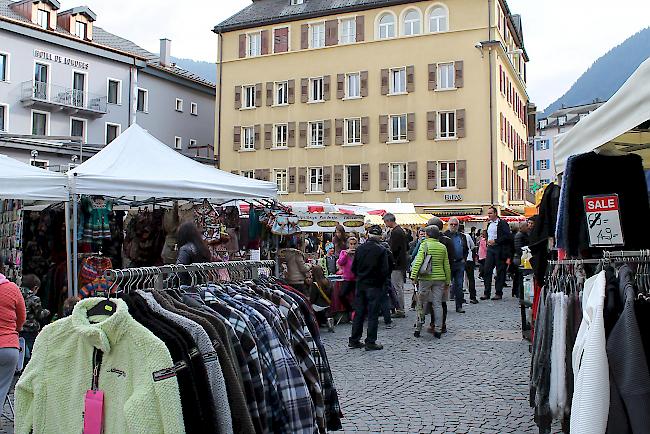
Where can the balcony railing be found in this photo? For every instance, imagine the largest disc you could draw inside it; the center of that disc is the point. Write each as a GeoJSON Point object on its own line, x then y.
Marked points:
{"type": "Point", "coordinates": [64, 98]}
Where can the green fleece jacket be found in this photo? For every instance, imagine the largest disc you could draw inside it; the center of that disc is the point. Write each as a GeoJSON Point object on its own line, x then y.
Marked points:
{"type": "Point", "coordinates": [440, 269]}
{"type": "Point", "coordinates": [138, 398]}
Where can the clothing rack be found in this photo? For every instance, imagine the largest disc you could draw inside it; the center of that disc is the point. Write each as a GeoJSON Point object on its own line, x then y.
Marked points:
{"type": "Point", "coordinates": [634, 256]}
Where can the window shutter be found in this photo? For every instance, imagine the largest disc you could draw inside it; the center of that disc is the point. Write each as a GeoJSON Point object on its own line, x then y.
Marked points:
{"type": "Point", "coordinates": [291, 139]}
{"type": "Point", "coordinates": [236, 138]}
{"type": "Point", "coordinates": [433, 78]}
{"type": "Point", "coordinates": [338, 179]}
{"type": "Point", "coordinates": [338, 131]}
{"type": "Point", "coordinates": [365, 130]}
{"type": "Point", "coordinates": [304, 36]}
{"type": "Point", "coordinates": [365, 177]}
{"type": "Point", "coordinates": [384, 81]}
{"type": "Point", "coordinates": [458, 73]}
{"type": "Point", "coordinates": [461, 174]}
{"type": "Point", "coordinates": [364, 83]}
{"type": "Point", "coordinates": [258, 95]}
{"type": "Point", "coordinates": [258, 174]}
{"type": "Point", "coordinates": [302, 179]}
{"type": "Point", "coordinates": [410, 127]}
{"type": "Point", "coordinates": [431, 125]}
{"type": "Point", "coordinates": [292, 180]}
{"type": "Point", "coordinates": [264, 38]}
{"type": "Point", "coordinates": [410, 79]}
{"type": "Point", "coordinates": [292, 91]}
{"type": "Point", "coordinates": [302, 140]}
{"type": "Point", "coordinates": [327, 179]}
{"type": "Point", "coordinates": [384, 182]}
{"type": "Point", "coordinates": [237, 97]}
{"type": "Point", "coordinates": [340, 86]}
{"type": "Point", "coordinates": [257, 138]}
{"type": "Point", "coordinates": [331, 32]}
{"type": "Point", "coordinates": [304, 89]}
{"type": "Point", "coordinates": [281, 40]}
{"type": "Point", "coordinates": [432, 175]}
{"type": "Point", "coordinates": [327, 132]}
{"type": "Point", "coordinates": [242, 46]}
{"type": "Point", "coordinates": [269, 93]}
{"type": "Point", "coordinates": [267, 174]}
{"type": "Point", "coordinates": [361, 28]}
{"type": "Point", "coordinates": [412, 175]}
{"type": "Point", "coordinates": [383, 128]}
{"type": "Point", "coordinates": [268, 136]}
{"type": "Point", "coordinates": [460, 123]}
{"type": "Point", "coordinates": [327, 87]}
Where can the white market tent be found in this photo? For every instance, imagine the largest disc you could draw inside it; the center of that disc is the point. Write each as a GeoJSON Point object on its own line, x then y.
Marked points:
{"type": "Point", "coordinates": [22, 181]}
{"type": "Point", "coordinates": [613, 124]}
{"type": "Point", "coordinates": [137, 164]}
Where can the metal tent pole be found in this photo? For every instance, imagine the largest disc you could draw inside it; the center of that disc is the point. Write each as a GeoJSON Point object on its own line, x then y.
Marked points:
{"type": "Point", "coordinates": [75, 229]}
{"type": "Point", "coordinates": [68, 248]}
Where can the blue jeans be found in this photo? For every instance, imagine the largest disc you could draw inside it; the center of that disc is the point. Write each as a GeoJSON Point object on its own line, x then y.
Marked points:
{"type": "Point", "coordinates": [457, 278]}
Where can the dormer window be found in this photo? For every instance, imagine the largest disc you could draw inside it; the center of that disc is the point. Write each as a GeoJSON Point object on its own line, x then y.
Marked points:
{"type": "Point", "coordinates": [43, 18]}
{"type": "Point", "coordinates": [81, 30]}
{"type": "Point", "coordinates": [296, 2]}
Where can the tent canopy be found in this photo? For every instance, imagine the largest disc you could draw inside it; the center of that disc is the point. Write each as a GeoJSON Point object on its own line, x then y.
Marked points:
{"type": "Point", "coordinates": [22, 181]}
{"type": "Point", "coordinates": [612, 123]}
{"type": "Point", "coordinates": [138, 164]}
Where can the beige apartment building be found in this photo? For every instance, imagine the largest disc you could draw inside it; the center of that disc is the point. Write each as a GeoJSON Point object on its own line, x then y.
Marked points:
{"type": "Point", "coordinates": [376, 101]}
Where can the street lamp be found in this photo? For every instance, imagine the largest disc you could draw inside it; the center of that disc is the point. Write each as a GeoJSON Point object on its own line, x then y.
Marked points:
{"type": "Point", "coordinates": [34, 154]}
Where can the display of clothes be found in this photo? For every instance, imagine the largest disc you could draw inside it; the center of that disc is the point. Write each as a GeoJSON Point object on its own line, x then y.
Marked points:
{"type": "Point", "coordinates": [144, 238]}
{"type": "Point", "coordinates": [590, 353]}
{"type": "Point", "coordinates": [11, 238]}
{"type": "Point", "coordinates": [95, 222]}
{"type": "Point", "coordinates": [227, 357]}
{"type": "Point", "coordinates": [171, 221]}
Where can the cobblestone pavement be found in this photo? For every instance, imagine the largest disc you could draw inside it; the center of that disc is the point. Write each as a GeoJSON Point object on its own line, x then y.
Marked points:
{"type": "Point", "coordinates": [473, 380]}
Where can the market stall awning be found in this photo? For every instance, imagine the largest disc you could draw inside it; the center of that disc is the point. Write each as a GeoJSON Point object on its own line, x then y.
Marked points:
{"type": "Point", "coordinates": [138, 164]}
{"type": "Point", "coordinates": [613, 123]}
{"type": "Point", "coordinates": [22, 181]}
{"type": "Point", "coordinates": [411, 219]}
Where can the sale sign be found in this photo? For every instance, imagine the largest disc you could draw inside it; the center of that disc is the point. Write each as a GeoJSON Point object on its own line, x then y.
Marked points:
{"type": "Point", "coordinates": [603, 220]}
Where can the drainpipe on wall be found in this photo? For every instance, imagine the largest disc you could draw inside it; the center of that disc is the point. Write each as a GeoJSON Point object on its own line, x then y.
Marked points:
{"type": "Point", "coordinates": [491, 105]}
{"type": "Point", "coordinates": [220, 82]}
{"type": "Point", "coordinates": [133, 94]}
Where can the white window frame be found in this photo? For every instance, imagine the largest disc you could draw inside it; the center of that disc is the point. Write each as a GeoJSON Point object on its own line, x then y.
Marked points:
{"type": "Point", "coordinates": [449, 179]}
{"type": "Point", "coordinates": [392, 83]}
{"type": "Point", "coordinates": [146, 100]}
{"type": "Point", "coordinates": [254, 49]}
{"type": "Point", "coordinates": [314, 141]}
{"type": "Point", "coordinates": [178, 143]}
{"type": "Point", "coordinates": [283, 184]}
{"type": "Point", "coordinates": [446, 135]}
{"type": "Point", "coordinates": [7, 67]}
{"type": "Point", "coordinates": [85, 122]}
{"type": "Point", "coordinates": [347, 30]}
{"type": "Point", "coordinates": [317, 174]}
{"type": "Point", "coordinates": [543, 123]}
{"type": "Point", "coordinates": [384, 28]}
{"type": "Point", "coordinates": [111, 124]}
{"type": "Point", "coordinates": [85, 89]}
{"type": "Point", "coordinates": [313, 90]}
{"type": "Point", "coordinates": [248, 97]}
{"type": "Point", "coordinates": [352, 141]}
{"type": "Point", "coordinates": [250, 174]}
{"type": "Point", "coordinates": [277, 86]}
{"type": "Point", "coordinates": [561, 120]}
{"type": "Point", "coordinates": [296, 2]}
{"type": "Point", "coordinates": [408, 25]}
{"type": "Point", "coordinates": [404, 177]}
{"type": "Point", "coordinates": [48, 83]}
{"type": "Point", "coordinates": [191, 144]}
{"type": "Point", "coordinates": [437, 28]}
{"type": "Point", "coordinates": [346, 178]}
{"type": "Point", "coordinates": [119, 90]}
{"type": "Point", "coordinates": [398, 136]}
{"type": "Point", "coordinates": [276, 143]}
{"type": "Point", "coordinates": [179, 103]}
{"type": "Point", "coordinates": [441, 78]}
{"type": "Point", "coordinates": [247, 145]}
{"type": "Point", "coordinates": [85, 26]}
{"type": "Point", "coordinates": [5, 107]}
{"type": "Point", "coordinates": [194, 109]}
{"type": "Point", "coordinates": [544, 164]}
{"type": "Point", "coordinates": [38, 18]}
{"type": "Point", "coordinates": [348, 78]}
{"type": "Point", "coordinates": [47, 121]}
{"type": "Point", "coordinates": [288, 39]}
{"type": "Point", "coordinates": [320, 42]}
{"type": "Point", "coordinates": [46, 163]}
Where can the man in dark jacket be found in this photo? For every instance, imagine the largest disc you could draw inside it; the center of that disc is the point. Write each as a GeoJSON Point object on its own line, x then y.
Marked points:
{"type": "Point", "coordinates": [446, 241]}
{"type": "Point", "coordinates": [459, 254]}
{"type": "Point", "coordinates": [371, 266]}
{"type": "Point", "coordinates": [398, 242]}
{"type": "Point", "coordinates": [521, 240]}
{"type": "Point", "coordinates": [499, 238]}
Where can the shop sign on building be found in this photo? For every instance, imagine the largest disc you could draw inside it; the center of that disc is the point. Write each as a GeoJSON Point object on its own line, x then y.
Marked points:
{"type": "Point", "coordinates": [51, 57]}
{"type": "Point", "coordinates": [453, 197]}
{"type": "Point", "coordinates": [603, 220]}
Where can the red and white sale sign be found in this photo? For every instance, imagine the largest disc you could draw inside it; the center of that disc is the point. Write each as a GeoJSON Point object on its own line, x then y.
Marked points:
{"type": "Point", "coordinates": [603, 220]}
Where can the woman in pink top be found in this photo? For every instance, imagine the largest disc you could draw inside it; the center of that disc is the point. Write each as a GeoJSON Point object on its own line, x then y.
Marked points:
{"type": "Point", "coordinates": [482, 253]}
{"type": "Point", "coordinates": [345, 270]}
{"type": "Point", "coordinates": [12, 318]}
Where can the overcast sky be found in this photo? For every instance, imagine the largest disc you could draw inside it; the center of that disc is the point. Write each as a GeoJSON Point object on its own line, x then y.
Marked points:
{"type": "Point", "coordinates": [562, 37]}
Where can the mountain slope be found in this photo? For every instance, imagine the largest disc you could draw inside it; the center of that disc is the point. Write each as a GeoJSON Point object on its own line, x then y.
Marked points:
{"type": "Point", "coordinates": [205, 70]}
{"type": "Point", "coordinates": [607, 74]}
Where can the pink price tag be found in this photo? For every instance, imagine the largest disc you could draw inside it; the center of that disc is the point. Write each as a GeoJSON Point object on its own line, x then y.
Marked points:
{"type": "Point", "coordinates": [94, 412]}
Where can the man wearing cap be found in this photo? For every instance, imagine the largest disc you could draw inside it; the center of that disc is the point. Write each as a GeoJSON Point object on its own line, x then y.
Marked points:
{"type": "Point", "coordinates": [371, 266]}
{"type": "Point", "coordinates": [398, 242]}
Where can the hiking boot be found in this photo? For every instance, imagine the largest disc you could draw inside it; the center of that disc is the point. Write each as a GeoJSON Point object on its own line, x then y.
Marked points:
{"type": "Point", "coordinates": [399, 314]}
{"type": "Point", "coordinates": [374, 347]}
{"type": "Point", "coordinates": [355, 344]}
{"type": "Point", "coordinates": [497, 297]}
{"type": "Point", "coordinates": [437, 335]}
{"type": "Point", "coordinates": [416, 333]}
{"type": "Point", "coordinates": [460, 310]}
{"type": "Point", "coordinates": [473, 301]}
{"type": "Point", "coordinates": [485, 297]}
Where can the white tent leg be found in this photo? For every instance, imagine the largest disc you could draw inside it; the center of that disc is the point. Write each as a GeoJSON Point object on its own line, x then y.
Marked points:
{"type": "Point", "coordinates": [75, 262]}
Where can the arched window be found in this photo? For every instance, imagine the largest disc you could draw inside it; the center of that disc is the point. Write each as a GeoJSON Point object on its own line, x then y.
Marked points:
{"type": "Point", "coordinates": [387, 26]}
{"type": "Point", "coordinates": [412, 23]}
{"type": "Point", "coordinates": [438, 19]}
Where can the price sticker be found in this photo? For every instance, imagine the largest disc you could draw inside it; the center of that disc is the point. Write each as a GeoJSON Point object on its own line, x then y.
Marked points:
{"type": "Point", "coordinates": [604, 220]}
